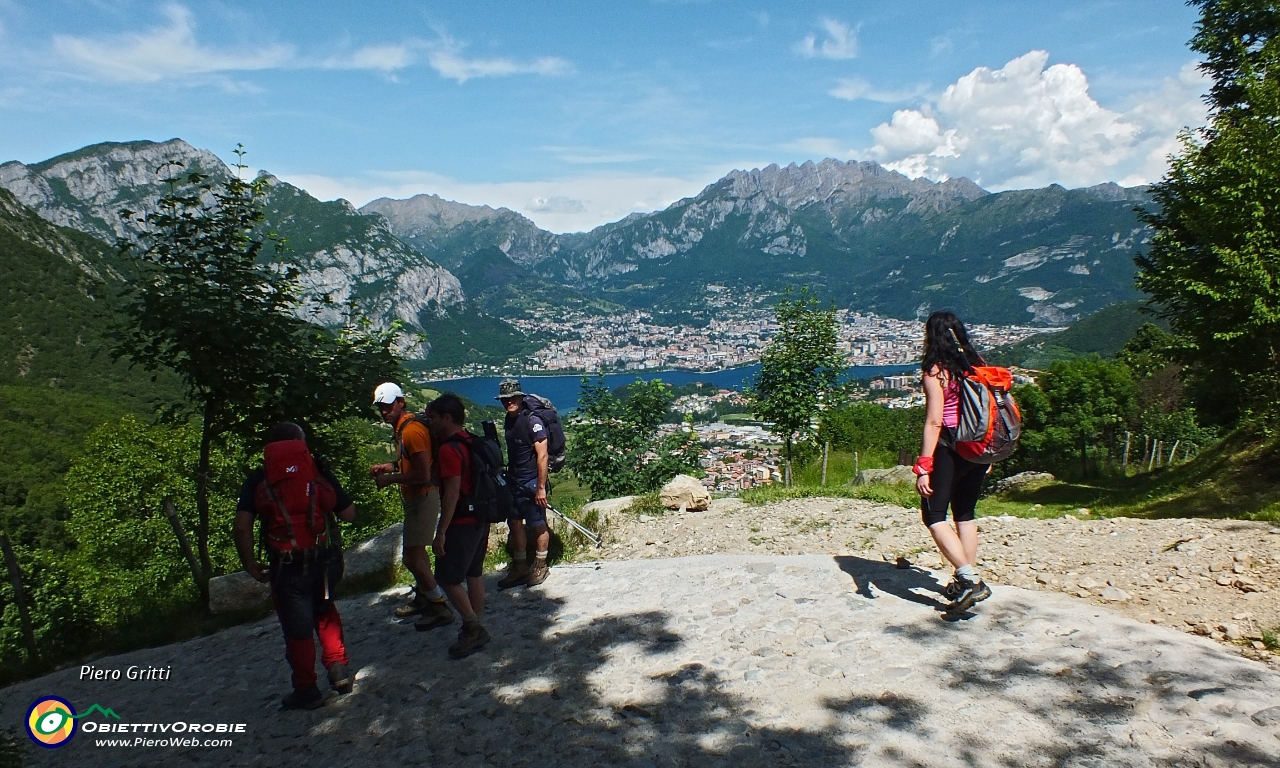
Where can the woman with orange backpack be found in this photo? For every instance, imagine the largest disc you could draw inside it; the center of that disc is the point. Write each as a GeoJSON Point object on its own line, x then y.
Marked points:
{"type": "Point", "coordinates": [944, 477]}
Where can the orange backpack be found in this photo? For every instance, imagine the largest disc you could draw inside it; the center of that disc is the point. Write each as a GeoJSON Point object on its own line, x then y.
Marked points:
{"type": "Point", "coordinates": [990, 422]}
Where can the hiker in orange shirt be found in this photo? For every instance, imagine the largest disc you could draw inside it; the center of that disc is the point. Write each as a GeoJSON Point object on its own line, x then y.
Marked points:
{"type": "Point", "coordinates": [412, 472]}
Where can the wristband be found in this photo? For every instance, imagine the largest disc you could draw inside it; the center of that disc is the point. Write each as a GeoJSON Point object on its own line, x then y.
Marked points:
{"type": "Point", "coordinates": [924, 465]}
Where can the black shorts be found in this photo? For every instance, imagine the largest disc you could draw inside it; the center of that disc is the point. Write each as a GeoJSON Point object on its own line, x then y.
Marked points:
{"type": "Point", "coordinates": [956, 482]}
{"type": "Point", "coordinates": [464, 550]}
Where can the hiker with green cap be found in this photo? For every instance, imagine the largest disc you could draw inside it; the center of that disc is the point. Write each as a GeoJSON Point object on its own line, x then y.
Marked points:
{"type": "Point", "coordinates": [527, 468]}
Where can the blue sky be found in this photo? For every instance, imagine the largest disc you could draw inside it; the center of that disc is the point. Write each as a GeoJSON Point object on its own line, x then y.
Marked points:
{"type": "Point", "coordinates": [576, 113]}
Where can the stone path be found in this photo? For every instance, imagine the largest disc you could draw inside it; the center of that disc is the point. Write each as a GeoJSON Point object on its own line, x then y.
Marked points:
{"type": "Point", "coordinates": [1211, 577]}
{"type": "Point", "coordinates": [720, 660]}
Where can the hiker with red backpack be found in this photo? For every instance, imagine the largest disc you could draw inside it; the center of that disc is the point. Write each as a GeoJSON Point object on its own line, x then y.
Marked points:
{"type": "Point", "coordinates": [463, 537]}
{"type": "Point", "coordinates": [971, 421]}
{"type": "Point", "coordinates": [298, 502]}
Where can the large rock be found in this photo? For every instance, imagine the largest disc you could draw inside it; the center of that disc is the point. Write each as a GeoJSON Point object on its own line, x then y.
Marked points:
{"type": "Point", "coordinates": [237, 592]}
{"type": "Point", "coordinates": [892, 476]}
{"type": "Point", "coordinates": [607, 509]}
{"type": "Point", "coordinates": [368, 559]}
{"type": "Point", "coordinates": [375, 555]}
{"type": "Point", "coordinates": [684, 492]}
{"type": "Point", "coordinates": [1021, 480]}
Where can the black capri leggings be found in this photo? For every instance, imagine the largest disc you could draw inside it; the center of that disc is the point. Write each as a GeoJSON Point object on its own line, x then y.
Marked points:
{"type": "Point", "coordinates": [955, 481]}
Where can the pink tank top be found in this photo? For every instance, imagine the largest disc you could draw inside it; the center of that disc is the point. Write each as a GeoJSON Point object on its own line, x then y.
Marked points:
{"type": "Point", "coordinates": [951, 404]}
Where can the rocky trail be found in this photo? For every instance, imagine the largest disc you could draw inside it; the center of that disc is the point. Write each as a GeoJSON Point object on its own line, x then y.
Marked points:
{"type": "Point", "coordinates": [1211, 577]}
{"type": "Point", "coordinates": [660, 655]}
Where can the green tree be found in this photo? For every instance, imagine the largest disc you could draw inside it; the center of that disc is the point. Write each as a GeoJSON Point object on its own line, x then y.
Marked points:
{"type": "Point", "coordinates": [615, 448]}
{"type": "Point", "coordinates": [130, 561]}
{"type": "Point", "coordinates": [1088, 400]}
{"type": "Point", "coordinates": [1213, 266]}
{"type": "Point", "coordinates": [799, 370]}
{"type": "Point", "coordinates": [216, 303]}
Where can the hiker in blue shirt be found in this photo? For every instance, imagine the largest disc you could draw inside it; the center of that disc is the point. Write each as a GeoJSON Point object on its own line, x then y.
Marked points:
{"type": "Point", "coordinates": [527, 468]}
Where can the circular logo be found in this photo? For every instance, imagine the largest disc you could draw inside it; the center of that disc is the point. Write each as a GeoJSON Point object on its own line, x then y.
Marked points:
{"type": "Point", "coordinates": [51, 721]}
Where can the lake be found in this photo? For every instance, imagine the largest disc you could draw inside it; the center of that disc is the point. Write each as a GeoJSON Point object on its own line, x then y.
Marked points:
{"type": "Point", "coordinates": [564, 390]}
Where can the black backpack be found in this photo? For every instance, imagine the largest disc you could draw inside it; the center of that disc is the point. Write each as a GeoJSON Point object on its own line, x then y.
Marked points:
{"type": "Point", "coordinates": [542, 408]}
{"type": "Point", "coordinates": [491, 500]}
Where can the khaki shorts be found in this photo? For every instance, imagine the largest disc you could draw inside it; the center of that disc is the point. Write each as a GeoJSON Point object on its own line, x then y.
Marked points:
{"type": "Point", "coordinates": [421, 514]}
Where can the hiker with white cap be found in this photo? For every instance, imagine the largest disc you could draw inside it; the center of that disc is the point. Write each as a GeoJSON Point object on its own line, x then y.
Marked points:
{"type": "Point", "coordinates": [412, 472]}
{"type": "Point", "coordinates": [527, 469]}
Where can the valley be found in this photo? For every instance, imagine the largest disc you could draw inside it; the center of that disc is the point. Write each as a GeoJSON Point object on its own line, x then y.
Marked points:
{"type": "Point", "coordinates": [478, 290]}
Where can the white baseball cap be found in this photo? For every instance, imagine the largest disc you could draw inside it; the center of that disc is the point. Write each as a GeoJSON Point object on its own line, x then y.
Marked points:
{"type": "Point", "coordinates": [387, 393]}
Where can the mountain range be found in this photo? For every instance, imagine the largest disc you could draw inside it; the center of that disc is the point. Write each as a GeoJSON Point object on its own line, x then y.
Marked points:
{"type": "Point", "coordinates": [857, 233]}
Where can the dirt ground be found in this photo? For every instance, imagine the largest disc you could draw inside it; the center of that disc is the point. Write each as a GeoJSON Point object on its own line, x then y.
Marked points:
{"type": "Point", "coordinates": [1211, 577]}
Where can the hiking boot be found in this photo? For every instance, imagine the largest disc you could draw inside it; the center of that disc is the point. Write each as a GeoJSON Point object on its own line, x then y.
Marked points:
{"type": "Point", "coordinates": [471, 638]}
{"type": "Point", "coordinates": [953, 589]}
{"type": "Point", "coordinates": [307, 698]}
{"type": "Point", "coordinates": [971, 592]}
{"type": "Point", "coordinates": [437, 614]}
{"type": "Point", "coordinates": [414, 607]}
{"type": "Point", "coordinates": [538, 574]}
{"type": "Point", "coordinates": [340, 678]}
{"type": "Point", "coordinates": [517, 574]}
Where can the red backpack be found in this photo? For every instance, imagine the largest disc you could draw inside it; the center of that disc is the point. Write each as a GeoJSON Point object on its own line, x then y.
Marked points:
{"type": "Point", "coordinates": [990, 422]}
{"type": "Point", "coordinates": [293, 500]}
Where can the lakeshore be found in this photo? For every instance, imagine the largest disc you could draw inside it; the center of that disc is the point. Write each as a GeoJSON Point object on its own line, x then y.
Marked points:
{"type": "Point", "coordinates": [564, 390]}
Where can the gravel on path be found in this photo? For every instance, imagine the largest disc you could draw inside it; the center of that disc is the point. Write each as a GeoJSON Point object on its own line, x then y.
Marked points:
{"type": "Point", "coordinates": [1210, 577]}
{"type": "Point", "coordinates": [723, 660]}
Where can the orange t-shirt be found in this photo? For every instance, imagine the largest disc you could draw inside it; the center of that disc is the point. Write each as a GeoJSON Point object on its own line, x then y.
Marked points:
{"type": "Point", "coordinates": [412, 437]}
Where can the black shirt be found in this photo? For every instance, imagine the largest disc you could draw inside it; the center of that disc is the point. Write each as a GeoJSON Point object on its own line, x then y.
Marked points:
{"type": "Point", "coordinates": [523, 430]}
{"type": "Point", "coordinates": [250, 487]}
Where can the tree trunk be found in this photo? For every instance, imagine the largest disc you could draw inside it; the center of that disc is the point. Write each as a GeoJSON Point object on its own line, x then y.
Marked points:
{"type": "Point", "coordinates": [202, 496]}
{"type": "Point", "coordinates": [197, 573]}
{"type": "Point", "coordinates": [787, 484]}
{"type": "Point", "coordinates": [20, 597]}
{"type": "Point", "coordinates": [1084, 458]}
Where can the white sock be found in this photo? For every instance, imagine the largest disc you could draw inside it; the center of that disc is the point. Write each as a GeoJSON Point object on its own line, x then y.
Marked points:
{"type": "Point", "coordinates": [542, 556]}
{"type": "Point", "coordinates": [968, 573]}
{"type": "Point", "coordinates": [435, 594]}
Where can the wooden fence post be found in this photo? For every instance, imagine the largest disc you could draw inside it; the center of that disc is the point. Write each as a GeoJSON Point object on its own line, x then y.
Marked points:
{"type": "Point", "coordinates": [19, 596]}
{"type": "Point", "coordinates": [1174, 452]}
{"type": "Point", "coordinates": [1125, 463]}
{"type": "Point", "coordinates": [171, 512]}
{"type": "Point", "coordinates": [826, 451]}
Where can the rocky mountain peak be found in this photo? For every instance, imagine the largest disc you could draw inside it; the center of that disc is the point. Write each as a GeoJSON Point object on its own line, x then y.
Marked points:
{"type": "Point", "coordinates": [834, 182]}
{"type": "Point", "coordinates": [422, 212]}
{"type": "Point", "coordinates": [87, 189]}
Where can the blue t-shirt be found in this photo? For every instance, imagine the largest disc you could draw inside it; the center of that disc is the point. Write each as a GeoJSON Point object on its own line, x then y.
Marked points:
{"type": "Point", "coordinates": [523, 430]}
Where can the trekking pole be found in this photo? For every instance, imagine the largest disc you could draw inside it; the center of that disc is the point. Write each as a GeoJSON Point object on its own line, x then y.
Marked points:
{"type": "Point", "coordinates": [592, 536]}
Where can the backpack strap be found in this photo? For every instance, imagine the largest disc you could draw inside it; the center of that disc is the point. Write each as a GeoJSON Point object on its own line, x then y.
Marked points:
{"type": "Point", "coordinates": [284, 513]}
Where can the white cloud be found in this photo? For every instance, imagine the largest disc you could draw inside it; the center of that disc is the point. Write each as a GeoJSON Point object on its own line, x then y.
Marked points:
{"type": "Point", "coordinates": [572, 204]}
{"type": "Point", "coordinates": [841, 42]}
{"type": "Point", "coordinates": [855, 88]}
{"type": "Point", "coordinates": [171, 51]}
{"type": "Point", "coordinates": [447, 59]}
{"type": "Point", "coordinates": [1028, 125]}
{"type": "Point", "coordinates": [163, 52]}
{"type": "Point", "coordinates": [555, 204]}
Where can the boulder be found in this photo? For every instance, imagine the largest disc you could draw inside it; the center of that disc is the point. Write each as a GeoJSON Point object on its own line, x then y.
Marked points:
{"type": "Point", "coordinates": [368, 559]}
{"type": "Point", "coordinates": [892, 476]}
{"type": "Point", "coordinates": [686, 492]}
{"type": "Point", "coordinates": [1021, 480]}
{"type": "Point", "coordinates": [607, 509]}
{"type": "Point", "coordinates": [237, 592]}
{"type": "Point", "coordinates": [375, 555]}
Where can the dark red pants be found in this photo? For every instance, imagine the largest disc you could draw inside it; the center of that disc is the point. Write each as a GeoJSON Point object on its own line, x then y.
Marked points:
{"type": "Point", "coordinates": [305, 612]}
